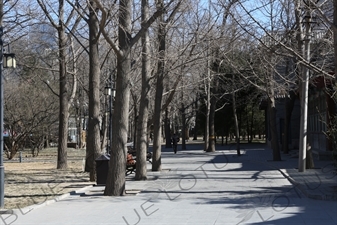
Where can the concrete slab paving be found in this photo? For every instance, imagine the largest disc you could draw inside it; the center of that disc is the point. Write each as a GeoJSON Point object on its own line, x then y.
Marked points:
{"type": "Point", "coordinates": [196, 188]}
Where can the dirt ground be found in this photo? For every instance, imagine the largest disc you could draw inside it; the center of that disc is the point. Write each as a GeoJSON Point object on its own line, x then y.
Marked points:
{"type": "Point", "coordinates": [36, 180]}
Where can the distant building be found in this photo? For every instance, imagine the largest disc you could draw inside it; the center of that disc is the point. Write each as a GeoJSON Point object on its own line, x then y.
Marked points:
{"type": "Point", "coordinates": [294, 125]}
{"type": "Point", "coordinates": [320, 111]}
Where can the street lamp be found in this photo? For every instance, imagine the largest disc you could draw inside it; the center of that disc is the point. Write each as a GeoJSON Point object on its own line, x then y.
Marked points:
{"type": "Point", "coordinates": [110, 92]}
{"type": "Point", "coordinates": [7, 60]}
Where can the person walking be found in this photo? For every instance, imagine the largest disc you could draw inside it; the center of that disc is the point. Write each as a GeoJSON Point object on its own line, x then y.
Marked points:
{"type": "Point", "coordinates": [175, 140]}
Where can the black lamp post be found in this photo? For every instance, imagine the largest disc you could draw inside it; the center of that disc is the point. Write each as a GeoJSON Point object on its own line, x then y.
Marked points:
{"type": "Point", "coordinates": [7, 60]}
{"type": "Point", "coordinates": [110, 93]}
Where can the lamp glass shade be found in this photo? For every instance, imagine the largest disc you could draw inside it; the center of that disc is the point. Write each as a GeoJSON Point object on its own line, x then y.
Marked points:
{"type": "Point", "coordinates": [107, 90]}
{"type": "Point", "coordinates": [9, 60]}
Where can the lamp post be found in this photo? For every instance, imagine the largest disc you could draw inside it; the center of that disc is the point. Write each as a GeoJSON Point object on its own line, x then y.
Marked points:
{"type": "Point", "coordinates": [7, 60]}
{"type": "Point", "coordinates": [110, 93]}
{"type": "Point", "coordinates": [107, 92]}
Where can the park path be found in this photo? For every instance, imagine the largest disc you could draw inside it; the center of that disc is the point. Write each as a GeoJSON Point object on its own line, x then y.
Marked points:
{"type": "Point", "coordinates": [194, 188]}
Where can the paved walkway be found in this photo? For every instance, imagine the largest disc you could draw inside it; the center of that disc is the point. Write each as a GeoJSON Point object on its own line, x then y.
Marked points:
{"type": "Point", "coordinates": [203, 188]}
{"type": "Point", "coordinates": [319, 183]}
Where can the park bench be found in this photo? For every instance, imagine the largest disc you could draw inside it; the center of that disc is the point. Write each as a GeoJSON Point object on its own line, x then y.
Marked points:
{"type": "Point", "coordinates": [133, 152]}
{"type": "Point", "coordinates": [130, 164]}
{"type": "Point", "coordinates": [131, 161]}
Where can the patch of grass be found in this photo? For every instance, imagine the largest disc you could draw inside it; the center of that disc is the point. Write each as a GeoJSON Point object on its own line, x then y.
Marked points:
{"type": "Point", "coordinates": [36, 180]}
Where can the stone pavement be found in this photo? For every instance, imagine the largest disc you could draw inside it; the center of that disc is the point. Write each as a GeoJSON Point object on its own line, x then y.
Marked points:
{"type": "Point", "coordinates": [319, 183]}
{"type": "Point", "coordinates": [195, 187]}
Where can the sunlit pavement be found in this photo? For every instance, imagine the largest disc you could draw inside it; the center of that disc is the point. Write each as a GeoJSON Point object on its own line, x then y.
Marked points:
{"type": "Point", "coordinates": [194, 187]}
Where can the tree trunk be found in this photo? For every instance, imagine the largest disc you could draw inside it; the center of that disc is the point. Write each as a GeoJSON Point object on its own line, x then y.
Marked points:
{"type": "Point", "coordinates": [274, 133]}
{"type": "Point", "coordinates": [115, 184]}
{"type": "Point", "coordinates": [63, 98]}
{"type": "Point", "coordinates": [237, 131]}
{"type": "Point", "coordinates": [304, 96]}
{"type": "Point", "coordinates": [167, 130]}
{"type": "Point", "coordinates": [79, 126]}
{"type": "Point", "coordinates": [183, 130]}
{"type": "Point", "coordinates": [135, 121]}
{"type": "Point", "coordinates": [195, 132]}
{"type": "Point", "coordinates": [290, 102]}
{"type": "Point", "coordinates": [247, 125]}
{"type": "Point", "coordinates": [93, 138]}
{"type": "Point", "coordinates": [156, 158]}
{"type": "Point", "coordinates": [309, 164]}
{"type": "Point", "coordinates": [208, 106]}
{"type": "Point", "coordinates": [212, 137]}
{"type": "Point", "coordinates": [252, 135]}
{"type": "Point", "coordinates": [142, 134]}
{"type": "Point", "coordinates": [301, 49]}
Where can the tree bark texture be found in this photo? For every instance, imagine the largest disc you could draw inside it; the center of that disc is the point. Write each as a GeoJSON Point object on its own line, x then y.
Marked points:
{"type": "Point", "coordinates": [156, 158]}
{"type": "Point", "coordinates": [195, 133]}
{"type": "Point", "coordinates": [167, 130]}
{"type": "Point", "coordinates": [237, 130]}
{"type": "Point", "coordinates": [208, 104]}
{"type": "Point", "coordinates": [93, 138]}
{"type": "Point", "coordinates": [134, 126]}
{"type": "Point", "coordinates": [212, 137]}
{"type": "Point", "coordinates": [183, 130]}
{"type": "Point", "coordinates": [63, 98]}
{"type": "Point", "coordinates": [303, 142]}
{"type": "Point", "coordinates": [115, 185]}
{"type": "Point", "coordinates": [142, 132]}
{"type": "Point", "coordinates": [289, 105]}
{"type": "Point", "coordinates": [273, 128]}
{"type": "Point", "coordinates": [251, 126]}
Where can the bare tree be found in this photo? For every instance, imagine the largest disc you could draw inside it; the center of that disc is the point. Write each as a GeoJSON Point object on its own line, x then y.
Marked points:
{"type": "Point", "coordinates": [270, 71]}
{"type": "Point", "coordinates": [160, 74]}
{"type": "Point", "coordinates": [30, 112]}
{"type": "Point", "coordinates": [156, 158]}
{"type": "Point", "coordinates": [93, 138]}
{"type": "Point", "coordinates": [287, 21]}
{"type": "Point", "coordinates": [116, 176]}
{"type": "Point", "coordinates": [65, 94]}
{"type": "Point", "coordinates": [142, 131]}
{"type": "Point", "coordinates": [226, 6]}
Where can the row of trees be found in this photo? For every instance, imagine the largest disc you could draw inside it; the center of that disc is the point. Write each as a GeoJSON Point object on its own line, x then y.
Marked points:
{"type": "Point", "coordinates": [169, 56]}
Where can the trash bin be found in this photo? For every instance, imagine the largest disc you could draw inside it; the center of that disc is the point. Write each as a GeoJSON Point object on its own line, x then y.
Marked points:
{"type": "Point", "coordinates": [102, 167]}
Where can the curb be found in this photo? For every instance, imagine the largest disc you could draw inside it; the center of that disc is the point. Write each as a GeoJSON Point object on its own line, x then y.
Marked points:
{"type": "Point", "coordinates": [301, 187]}
{"type": "Point", "coordinates": [27, 209]}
